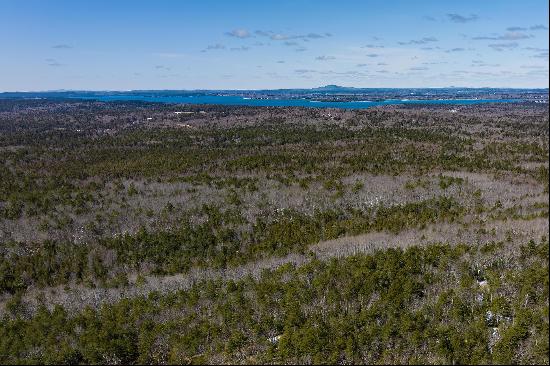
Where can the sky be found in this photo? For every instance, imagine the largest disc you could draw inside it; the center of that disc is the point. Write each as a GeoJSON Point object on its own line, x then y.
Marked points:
{"type": "Point", "coordinates": [214, 44]}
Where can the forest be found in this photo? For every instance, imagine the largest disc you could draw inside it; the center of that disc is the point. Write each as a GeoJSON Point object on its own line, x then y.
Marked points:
{"type": "Point", "coordinates": [145, 233]}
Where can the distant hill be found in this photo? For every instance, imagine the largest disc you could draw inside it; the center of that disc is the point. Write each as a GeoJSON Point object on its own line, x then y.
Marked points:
{"type": "Point", "coordinates": [334, 88]}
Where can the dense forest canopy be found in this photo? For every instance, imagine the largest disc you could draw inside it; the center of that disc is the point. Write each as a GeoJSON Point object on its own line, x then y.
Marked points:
{"type": "Point", "coordinates": [130, 233]}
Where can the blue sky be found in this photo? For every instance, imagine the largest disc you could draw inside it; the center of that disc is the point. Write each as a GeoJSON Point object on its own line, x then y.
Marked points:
{"type": "Point", "coordinates": [207, 44]}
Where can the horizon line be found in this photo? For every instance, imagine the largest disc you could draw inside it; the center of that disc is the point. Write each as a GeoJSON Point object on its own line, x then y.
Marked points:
{"type": "Point", "coordinates": [267, 89]}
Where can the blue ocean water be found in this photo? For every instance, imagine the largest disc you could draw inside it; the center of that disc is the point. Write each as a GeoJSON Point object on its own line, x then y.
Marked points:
{"type": "Point", "coordinates": [237, 100]}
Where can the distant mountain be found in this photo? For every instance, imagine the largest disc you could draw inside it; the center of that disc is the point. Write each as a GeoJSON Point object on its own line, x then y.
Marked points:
{"type": "Point", "coordinates": [333, 88]}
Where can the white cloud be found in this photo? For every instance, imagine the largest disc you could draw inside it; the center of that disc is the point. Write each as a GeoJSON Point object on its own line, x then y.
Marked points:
{"type": "Point", "coordinates": [325, 58]}
{"type": "Point", "coordinates": [239, 33]}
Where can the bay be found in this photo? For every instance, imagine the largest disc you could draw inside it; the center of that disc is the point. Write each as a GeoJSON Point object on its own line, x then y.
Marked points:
{"type": "Point", "coordinates": [264, 102]}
